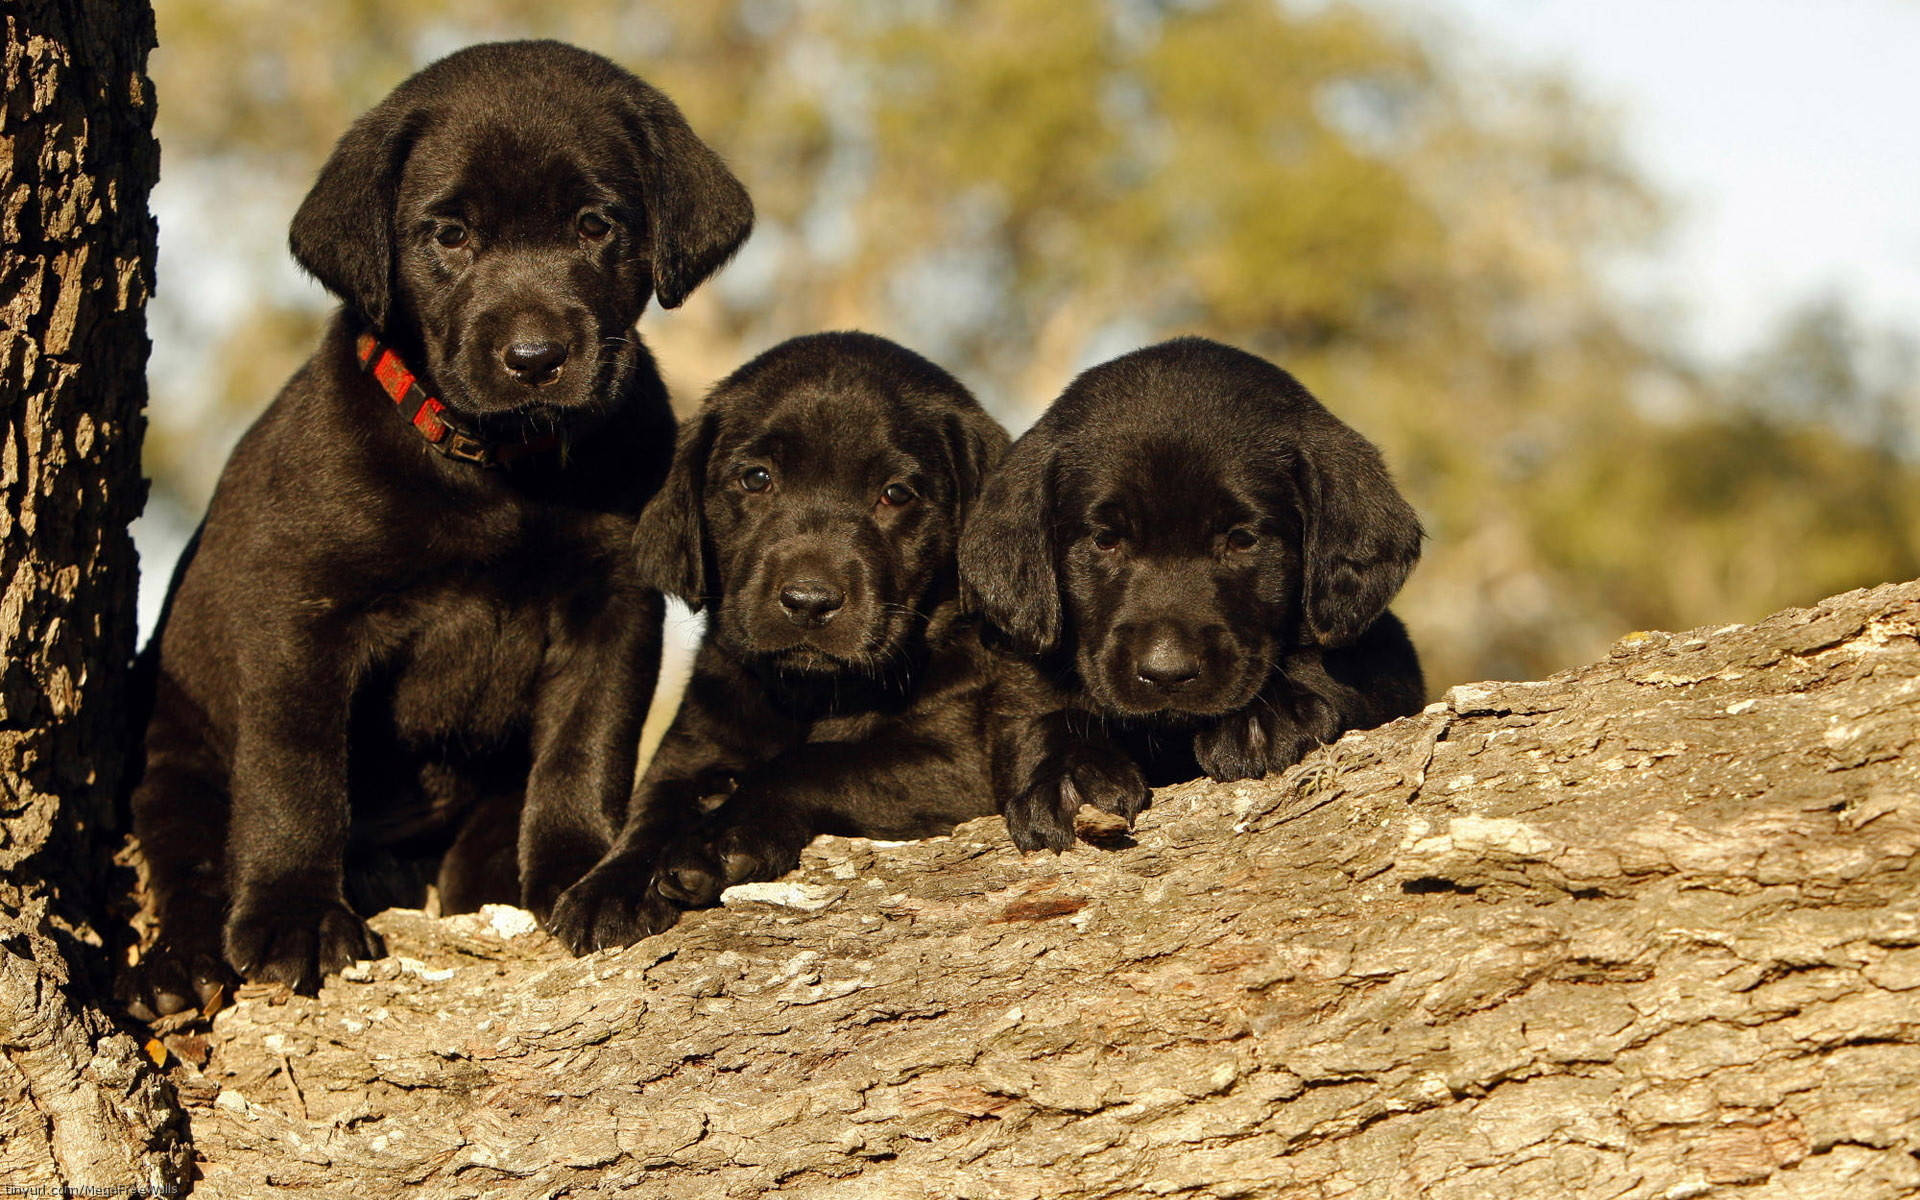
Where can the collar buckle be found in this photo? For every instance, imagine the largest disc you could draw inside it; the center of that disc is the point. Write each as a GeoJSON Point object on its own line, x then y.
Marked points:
{"type": "Point", "coordinates": [465, 447]}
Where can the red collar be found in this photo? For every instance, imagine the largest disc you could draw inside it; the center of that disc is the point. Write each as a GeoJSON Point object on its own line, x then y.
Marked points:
{"type": "Point", "coordinates": [430, 418]}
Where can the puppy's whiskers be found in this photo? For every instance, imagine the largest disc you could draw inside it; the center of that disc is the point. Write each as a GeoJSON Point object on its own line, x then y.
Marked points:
{"type": "Point", "coordinates": [906, 610]}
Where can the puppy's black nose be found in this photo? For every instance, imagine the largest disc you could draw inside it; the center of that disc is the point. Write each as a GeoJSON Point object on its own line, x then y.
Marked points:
{"type": "Point", "coordinates": [811, 601]}
{"type": "Point", "coordinates": [1167, 664]}
{"type": "Point", "coordinates": [533, 361]}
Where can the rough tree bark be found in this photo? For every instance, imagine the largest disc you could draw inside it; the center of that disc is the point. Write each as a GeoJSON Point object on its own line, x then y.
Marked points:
{"type": "Point", "coordinates": [1649, 928]}
{"type": "Point", "coordinates": [79, 1104]}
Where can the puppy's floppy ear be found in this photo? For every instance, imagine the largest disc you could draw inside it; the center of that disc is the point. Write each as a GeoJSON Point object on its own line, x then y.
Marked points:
{"type": "Point", "coordinates": [1007, 568]}
{"type": "Point", "coordinates": [670, 539]}
{"type": "Point", "coordinates": [976, 443]}
{"type": "Point", "coordinates": [697, 212]}
{"type": "Point", "coordinates": [343, 233]}
{"type": "Point", "coordinates": [1360, 536]}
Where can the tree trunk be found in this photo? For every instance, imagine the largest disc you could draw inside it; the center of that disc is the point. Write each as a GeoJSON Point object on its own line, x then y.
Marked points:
{"type": "Point", "coordinates": [1649, 928]}
{"type": "Point", "coordinates": [79, 1103]}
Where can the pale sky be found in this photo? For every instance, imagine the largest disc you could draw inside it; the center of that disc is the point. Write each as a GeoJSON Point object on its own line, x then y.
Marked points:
{"type": "Point", "coordinates": [1786, 134]}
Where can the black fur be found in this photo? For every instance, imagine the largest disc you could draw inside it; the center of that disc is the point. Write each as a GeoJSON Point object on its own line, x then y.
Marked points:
{"type": "Point", "coordinates": [838, 690]}
{"type": "Point", "coordinates": [373, 653]}
{"type": "Point", "coordinates": [1201, 557]}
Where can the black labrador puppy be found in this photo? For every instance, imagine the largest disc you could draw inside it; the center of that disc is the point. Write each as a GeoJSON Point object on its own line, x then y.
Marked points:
{"type": "Point", "coordinates": [413, 596]}
{"type": "Point", "coordinates": [1200, 556]}
{"type": "Point", "coordinates": [813, 508]}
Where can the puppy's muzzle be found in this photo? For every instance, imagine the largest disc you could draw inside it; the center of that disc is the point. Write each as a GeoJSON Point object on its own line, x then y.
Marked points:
{"type": "Point", "coordinates": [1167, 662]}
{"type": "Point", "coordinates": [811, 603]}
{"type": "Point", "coordinates": [534, 361]}
{"type": "Point", "coordinates": [1170, 667]}
{"type": "Point", "coordinates": [533, 341]}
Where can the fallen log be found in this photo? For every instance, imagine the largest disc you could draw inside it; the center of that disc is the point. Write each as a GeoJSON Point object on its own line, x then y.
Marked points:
{"type": "Point", "coordinates": [1648, 928]}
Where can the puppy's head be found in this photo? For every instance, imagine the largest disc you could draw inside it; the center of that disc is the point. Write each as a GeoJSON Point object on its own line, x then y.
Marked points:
{"type": "Point", "coordinates": [816, 500]}
{"type": "Point", "coordinates": [1178, 520]}
{"type": "Point", "coordinates": [506, 214]}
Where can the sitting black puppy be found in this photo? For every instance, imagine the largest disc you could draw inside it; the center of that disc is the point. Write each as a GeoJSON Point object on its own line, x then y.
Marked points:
{"type": "Point", "coordinates": [813, 508]}
{"type": "Point", "coordinates": [412, 596]}
{"type": "Point", "coordinates": [1200, 556]}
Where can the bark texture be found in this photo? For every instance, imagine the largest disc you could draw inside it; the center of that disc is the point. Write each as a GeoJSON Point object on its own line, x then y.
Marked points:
{"type": "Point", "coordinates": [79, 1103]}
{"type": "Point", "coordinates": [1647, 929]}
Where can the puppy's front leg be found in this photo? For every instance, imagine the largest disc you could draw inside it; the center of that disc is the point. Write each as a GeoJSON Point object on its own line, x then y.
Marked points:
{"type": "Point", "coordinates": [288, 919]}
{"type": "Point", "coordinates": [613, 904]}
{"type": "Point", "coordinates": [586, 735]}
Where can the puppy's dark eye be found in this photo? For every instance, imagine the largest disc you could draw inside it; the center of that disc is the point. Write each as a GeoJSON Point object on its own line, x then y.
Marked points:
{"type": "Point", "coordinates": [896, 495]}
{"type": "Point", "coordinates": [1106, 539]}
{"type": "Point", "coordinates": [756, 479]}
{"type": "Point", "coordinates": [593, 225]}
{"type": "Point", "coordinates": [1242, 539]}
{"type": "Point", "coordinates": [451, 236]}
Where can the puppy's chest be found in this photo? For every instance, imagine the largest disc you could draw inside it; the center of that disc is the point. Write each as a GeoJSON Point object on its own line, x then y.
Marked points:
{"type": "Point", "coordinates": [852, 727]}
{"type": "Point", "coordinates": [943, 699]}
{"type": "Point", "coordinates": [946, 704]}
{"type": "Point", "coordinates": [457, 663]}
{"type": "Point", "coordinates": [456, 653]}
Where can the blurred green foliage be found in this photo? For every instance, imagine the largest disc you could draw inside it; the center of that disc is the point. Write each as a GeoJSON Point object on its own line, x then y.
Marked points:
{"type": "Point", "coordinates": [1021, 187]}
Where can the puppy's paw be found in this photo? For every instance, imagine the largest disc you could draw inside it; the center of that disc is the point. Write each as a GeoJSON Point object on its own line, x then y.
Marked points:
{"type": "Point", "coordinates": [611, 905]}
{"type": "Point", "coordinates": [694, 871]}
{"type": "Point", "coordinates": [173, 978]}
{"type": "Point", "coordinates": [549, 879]}
{"type": "Point", "coordinates": [1249, 744]}
{"type": "Point", "coordinates": [1109, 780]}
{"type": "Point", "coordinates": [1041, 817]}
{"type": "Point", "coordinates": [297, 943]}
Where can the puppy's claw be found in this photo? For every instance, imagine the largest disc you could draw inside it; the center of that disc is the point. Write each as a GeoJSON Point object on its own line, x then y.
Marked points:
{"type": "Point", "coordinates": [299, 945]}
{"type": "Point", "coordinates": [1041, 818]}
{"type": "Point", "coordinates": [169, 980]}
{"type": "Point", "coordinates": [607, 909]}
{"type": "Point", "coordinates": [693, 873]}
{"type": "Point", "coordinates": [688, 883]}
{"type": "Point", "coordinates": [1112, 784]}
{"type": "Point", "coordinates": [743, 867]}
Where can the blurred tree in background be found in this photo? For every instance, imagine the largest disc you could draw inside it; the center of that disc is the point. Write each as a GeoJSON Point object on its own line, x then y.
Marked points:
{"type": "Point", "coordinates": [1020, 188]}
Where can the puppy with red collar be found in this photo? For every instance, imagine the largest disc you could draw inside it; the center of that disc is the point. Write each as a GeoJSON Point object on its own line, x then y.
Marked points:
{"type": "Point", "coordinates": [410, 615]}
